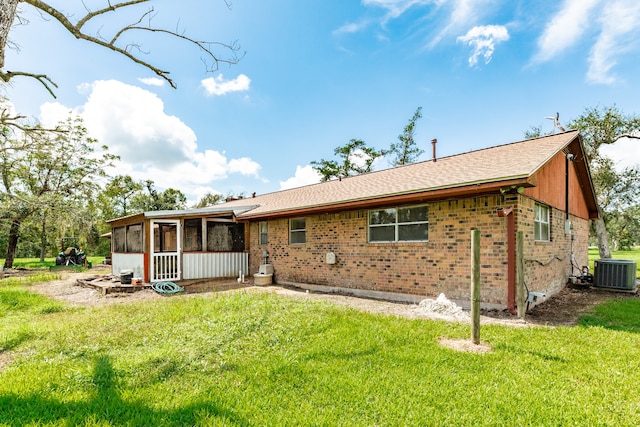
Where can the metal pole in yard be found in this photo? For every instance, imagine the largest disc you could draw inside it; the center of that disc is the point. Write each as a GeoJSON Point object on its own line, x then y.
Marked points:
{"type": "Point", "coordinates": [475, 286]}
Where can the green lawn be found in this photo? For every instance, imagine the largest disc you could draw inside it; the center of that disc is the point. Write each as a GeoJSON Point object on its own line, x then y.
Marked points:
{"type": "Point", "coordinates": [263, 360]}
{"type": "Point", "coordinates": [48, 262]}
{"type": "Point", "coordinates": [633, 255]}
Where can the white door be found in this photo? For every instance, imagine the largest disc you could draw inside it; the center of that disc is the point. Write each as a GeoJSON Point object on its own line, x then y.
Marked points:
{"type": "Point", "coordinates": [166, 247]}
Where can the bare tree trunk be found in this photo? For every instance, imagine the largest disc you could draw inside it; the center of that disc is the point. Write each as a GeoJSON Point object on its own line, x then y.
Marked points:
{"type": "Point", "coordinates": [43, 237]}
{"type": "Point", "coordinates": [603, 238]}
{"type": "Point", "coordinates": [12, 244]}
{"type": "Point", "coordinates": [7, 16]}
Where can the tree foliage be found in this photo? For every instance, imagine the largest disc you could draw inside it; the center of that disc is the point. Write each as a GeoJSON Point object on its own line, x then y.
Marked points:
{"type": "Point", "coordinates": [150, 199]}
{"type": "Point", "coordinates": [115, 199]}
{"type": "Point", "coordinates": [209, 199]}
{"type": "Point", "coordinates": [618, 191]}
{"type": "Point", "coordinates": [51, 173]}
{"type": "Point", "coordinates": [407, 151]}
{"type": "Point", "coordinates": [354, 158]}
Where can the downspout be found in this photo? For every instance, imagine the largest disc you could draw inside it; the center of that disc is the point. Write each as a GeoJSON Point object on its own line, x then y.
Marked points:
{"type": "Point", "coordinates": [568, 158]}
{"type": "Point", "coordinates": [511, 258]}
{"type": "Point", "coordinates": [567, 227]}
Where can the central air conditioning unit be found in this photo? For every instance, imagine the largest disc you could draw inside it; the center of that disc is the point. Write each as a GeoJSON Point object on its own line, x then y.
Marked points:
{"type": "Point", "coordinates": [618, 274]}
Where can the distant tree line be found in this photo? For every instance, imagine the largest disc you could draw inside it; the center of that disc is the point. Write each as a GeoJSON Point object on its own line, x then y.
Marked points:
{"type": "Point", "coordinates": [50, 190]}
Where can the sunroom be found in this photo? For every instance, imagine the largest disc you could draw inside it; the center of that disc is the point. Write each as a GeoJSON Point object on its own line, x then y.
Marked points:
{"type": "Point", "coordinates": [205, 243]}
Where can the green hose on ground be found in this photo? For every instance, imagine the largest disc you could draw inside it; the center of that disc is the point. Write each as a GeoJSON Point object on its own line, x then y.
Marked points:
{"type": "Point", "coordinates": [166, 288]}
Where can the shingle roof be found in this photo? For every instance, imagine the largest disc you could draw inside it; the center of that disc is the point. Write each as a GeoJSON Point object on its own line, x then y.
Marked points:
{"type": "Point", "coordinates": [519, 160]}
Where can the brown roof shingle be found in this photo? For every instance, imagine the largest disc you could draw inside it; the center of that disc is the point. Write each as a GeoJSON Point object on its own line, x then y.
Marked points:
{"type": "Point", "coordinates": [503, 163]}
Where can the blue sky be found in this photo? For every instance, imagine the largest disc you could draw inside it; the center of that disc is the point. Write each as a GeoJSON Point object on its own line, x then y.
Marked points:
{"type": "Point", "coordinates": [317, 73]}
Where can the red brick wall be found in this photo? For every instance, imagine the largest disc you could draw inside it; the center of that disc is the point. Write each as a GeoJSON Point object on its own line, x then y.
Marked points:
{"type": "Point", "coordinates": [441, 265]}
{"type": "Point", "coordinates": [548, 264]}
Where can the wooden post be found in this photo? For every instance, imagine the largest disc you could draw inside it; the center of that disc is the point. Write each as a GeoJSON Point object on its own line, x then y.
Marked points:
{"type": "Point", "coordinates": [521, 293]}
{"type": "Point", "coordinates": [475, 286]}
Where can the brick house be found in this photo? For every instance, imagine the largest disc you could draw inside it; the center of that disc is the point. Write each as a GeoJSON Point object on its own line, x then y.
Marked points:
{"type": "Point", "coordinates": [404, 233]}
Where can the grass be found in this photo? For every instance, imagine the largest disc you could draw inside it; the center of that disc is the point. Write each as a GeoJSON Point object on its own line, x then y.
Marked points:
{"type": "Point", "coordinates": [262, 360]}
{"type": "Point", "coordinates": [48, 262]}
{"type": "Point", "coordinates": [633, 255]}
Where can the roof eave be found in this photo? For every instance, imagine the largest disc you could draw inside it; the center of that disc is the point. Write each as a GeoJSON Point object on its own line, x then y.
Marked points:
{"type": "Point", "coordinates": [419, 196]}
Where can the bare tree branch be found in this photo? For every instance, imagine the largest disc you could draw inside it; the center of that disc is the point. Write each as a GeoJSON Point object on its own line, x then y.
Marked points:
{"type": "Point", "coordinates": [627, 135]}
{"type": "Point", "coordinates": [77, 30]}
{"type": "Point", "coordinates": [6, 76]}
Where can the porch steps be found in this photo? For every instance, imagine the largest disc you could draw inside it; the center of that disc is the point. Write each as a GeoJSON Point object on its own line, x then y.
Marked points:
{"type": "Point", "coordinates": [110, 285]}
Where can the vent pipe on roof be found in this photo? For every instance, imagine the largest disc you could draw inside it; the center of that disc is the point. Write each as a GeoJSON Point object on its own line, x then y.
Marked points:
{"type": "Point", "coordinates": [433, 143]}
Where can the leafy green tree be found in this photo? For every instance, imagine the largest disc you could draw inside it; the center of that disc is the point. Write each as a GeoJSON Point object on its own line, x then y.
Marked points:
{"type": "Point", "coordinates": [150, 199]}
{"type": "Point", "coordinates": [209, 199]}
{"type": "Point", "coordinates": [56, 173]}
{"type": "Point", "coordinates": [355, 158]}
{"type": "Point", "coordinates": [407, 151]}
{"type": "Point", "coordinates": [116, 197]}
{"type": "Point", "coordinates": [616, 191]}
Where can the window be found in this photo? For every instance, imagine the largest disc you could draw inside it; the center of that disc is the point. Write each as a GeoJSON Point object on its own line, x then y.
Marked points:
{"type": "Point", "coordinates": [134, 238]}
{"type": "Point", "coordinates": [262, 231]}
{"type": "Point", "coordinates": [541, 223]}
{"type": "Point", "coordinates": [406, 224]}
{"type": "Point", "coordinates": [297, 230]}
{"type": "Point", "coordinates": [127, 239]}
{"type": "Point", "coordinates": [193, 235]}
{"type": "Point", "coordinates": [119, 239]}
{"type": "Point", "coordinates": [225, 236]}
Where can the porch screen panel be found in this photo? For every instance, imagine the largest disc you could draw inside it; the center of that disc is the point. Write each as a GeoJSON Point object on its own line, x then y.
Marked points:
{"type": "Point", "coordinates": [165, 238]}
{"type": "Point", "coordinates": [119, 237]}
{"type": "Point", "coordinates": [134, 238]}
{"type": "Point", "coordinates": [225, 237]}
{"type": "Point", "coordinates": [193, 235]}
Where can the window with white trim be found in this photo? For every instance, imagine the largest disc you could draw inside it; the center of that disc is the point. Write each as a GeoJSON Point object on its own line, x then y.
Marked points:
{"type": "Point", "coordinates": [263, 232]}
{"type": "Point", "coordinates": [402, 224]}
{"type": "Point", "coordinates": [541, 223]}
{"type": "Point", "coordinates": [297, 231]}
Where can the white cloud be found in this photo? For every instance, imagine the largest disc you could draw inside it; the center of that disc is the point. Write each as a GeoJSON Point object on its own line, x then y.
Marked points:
{"type": "Point", "coordinates": [395, 8]}
{"type": "Point", "coordinates": [625, 152]}
{"type": "Point", "coordinates": [461, 14]}
{"type": "Point", "coordinates": [618, 24]}
{"type": "Point", "coordinates": [565, 28]}
{"type": "Point", "coordinates": [152, 144]}
{"type": "Point", "coordinates": [447, 16]}
{"type": "Point", "coordinates": [244, 165]}
{"type": "Point", "coordinates": [152, 81]}
{"type": "Point", "coordinates": [483, 40]}
{"type": "Point", "coordinates": [52, 113]}
{"type": "Point", "coordinates": [305, 175]}
{"type": "Point", "coordinates": [351, 28]}
{"type": "Point", "coordinates": [218, 86]}
{"type": "Point", "coordinates": [620, 31]}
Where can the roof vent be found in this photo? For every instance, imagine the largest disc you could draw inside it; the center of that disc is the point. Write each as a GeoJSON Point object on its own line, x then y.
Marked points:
{"type": "Point", "coordinates": [434, 141]}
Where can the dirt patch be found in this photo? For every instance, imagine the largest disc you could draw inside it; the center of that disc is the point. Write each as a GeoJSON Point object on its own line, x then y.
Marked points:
{"type": "Point", "coordinates": [564, 308]}
{"type": "Point", "coordinates": [465, 345]}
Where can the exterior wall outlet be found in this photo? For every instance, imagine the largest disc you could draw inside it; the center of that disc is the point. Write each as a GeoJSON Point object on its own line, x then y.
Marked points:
{"type": "Point", "coordinates": [330, 258]}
